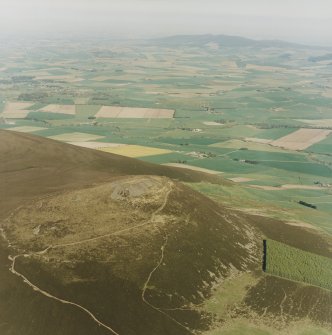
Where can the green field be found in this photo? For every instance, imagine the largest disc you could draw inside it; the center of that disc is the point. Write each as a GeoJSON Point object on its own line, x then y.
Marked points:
{"type": "Point", "coordinates": [323, 147]}
{"type": "Point", "coordinates": [268, 156]}
{"type": "Point", "coordinates": [301, 167]}
{"type": "Point", "coordinates": [295, 264]}
{"type": "Point", "coordinates": [276, 204]}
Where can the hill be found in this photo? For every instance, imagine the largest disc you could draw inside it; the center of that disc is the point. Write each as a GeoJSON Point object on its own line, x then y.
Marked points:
{"type": "Point", "coordinates": [32, 166]}
{"type": "Point", "coordinates": [111, 245]}
{"type": "Point", "coordinates": [225, 41]}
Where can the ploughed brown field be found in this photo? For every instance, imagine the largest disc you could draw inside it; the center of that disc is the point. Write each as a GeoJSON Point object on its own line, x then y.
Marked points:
{"type": "Point", "coordinates": [301, 139]}
{"type": "Point", "coordinates": [16, 110]}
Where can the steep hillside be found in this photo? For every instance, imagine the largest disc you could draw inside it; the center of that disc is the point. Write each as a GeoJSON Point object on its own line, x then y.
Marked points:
{"type": "Point", "coordinates": [32, 166]}
{"type": "Point", "coordinates": [95, 243]}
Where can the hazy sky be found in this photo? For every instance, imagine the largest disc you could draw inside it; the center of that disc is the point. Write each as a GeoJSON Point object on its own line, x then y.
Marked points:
{"type": "Point", "coordinates": [306, 21]}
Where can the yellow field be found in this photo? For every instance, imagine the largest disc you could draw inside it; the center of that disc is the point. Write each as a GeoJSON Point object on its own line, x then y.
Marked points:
{"type": "Point", "coordinates": [63, 109]}
{"type": "Point", "coordinates": [96, 145]}
{"type": "Point", "coordinates": [26, 129]}
{"type": "Point", "coordinates": [76, 137]}
{"type": "Point", "coordinates": [135, 151]}
{"type": "Point", "coordinates": [129, 112]}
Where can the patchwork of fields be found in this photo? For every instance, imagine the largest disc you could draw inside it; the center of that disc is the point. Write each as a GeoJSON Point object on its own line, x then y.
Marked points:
{"type": "Point", "coordinates": [260, 121]}
{"type": "Point", "coordinates": [20, 110]}
{"type": "Point", "coordinates": [253, 122]}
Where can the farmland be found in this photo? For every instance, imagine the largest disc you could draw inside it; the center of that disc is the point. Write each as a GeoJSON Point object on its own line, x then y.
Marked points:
{"type": "Point", "coordinates": [264, 120]}
{"type": "Point", "coordinates": [248, 127]}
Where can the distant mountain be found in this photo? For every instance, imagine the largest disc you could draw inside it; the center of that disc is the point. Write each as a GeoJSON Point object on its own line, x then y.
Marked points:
{"type": "Point", "coordinates": [225, 41]}
{"type": "Point", "coordinates": [326, 57]}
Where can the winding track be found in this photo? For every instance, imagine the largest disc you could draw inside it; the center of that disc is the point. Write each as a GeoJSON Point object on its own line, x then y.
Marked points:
{"type": "Point", "coordinates": [147, 283]}
{"type": "Point", "coordinates": [36, 288]}
{"type": "Point", "coordinates": [63, 301]}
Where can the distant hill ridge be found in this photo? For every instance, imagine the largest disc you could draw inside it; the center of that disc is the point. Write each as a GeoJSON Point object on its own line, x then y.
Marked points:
{"type": "Point", "coordinates": [228, 41]}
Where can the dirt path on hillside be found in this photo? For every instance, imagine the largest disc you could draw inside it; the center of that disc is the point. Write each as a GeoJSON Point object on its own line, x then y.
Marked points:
{"type": "Point", "coordinates": [146, 284]}
{"type": "Point", "coordinates": [37, 289]}
{"type": "Point", "coordinates": [92, 316]}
